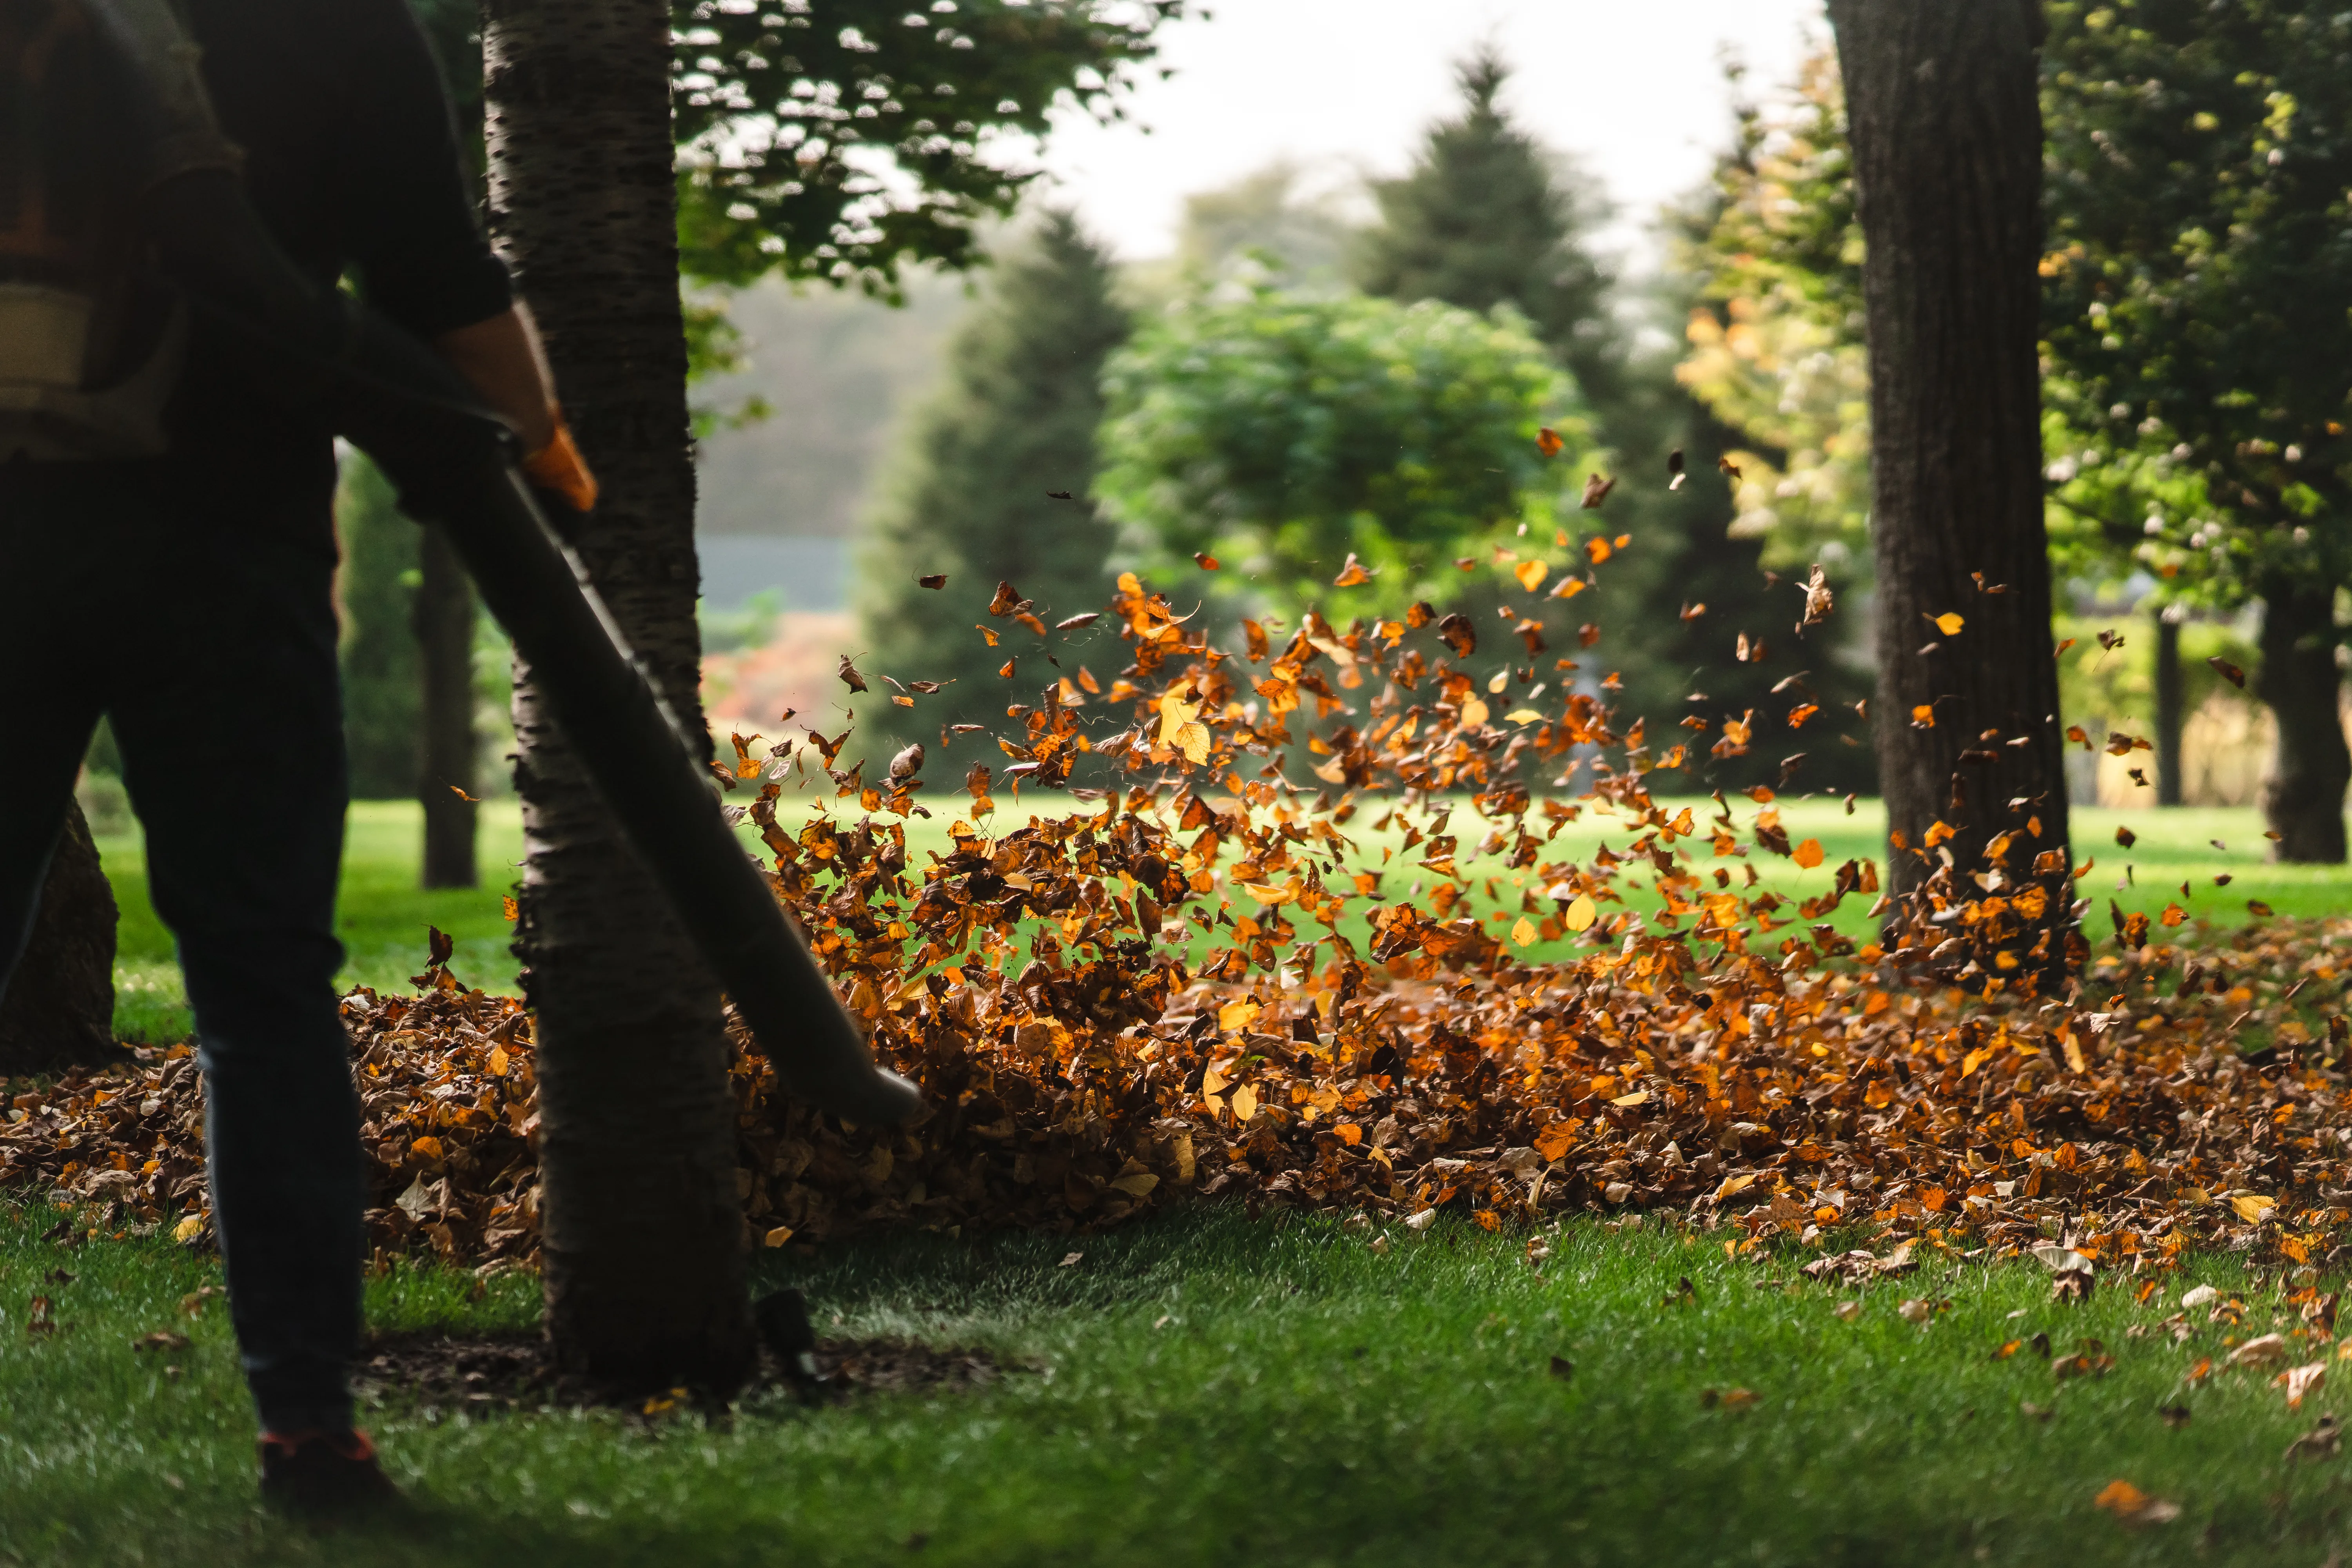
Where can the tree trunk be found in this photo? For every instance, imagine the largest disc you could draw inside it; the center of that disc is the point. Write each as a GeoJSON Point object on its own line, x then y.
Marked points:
{"type": "Point", "coordinates": [643, 1233]}
{"type": "Point", "coordinates": [1947, 158]}
{"type": "Point", "coordinates": [2303, 800]}
{"type": "Point", "coordinates": [2169, 703]}
{"type": "Point", "coordinates": [444, 638]}
{"type": "Point", "coordinates": [60, 1010]}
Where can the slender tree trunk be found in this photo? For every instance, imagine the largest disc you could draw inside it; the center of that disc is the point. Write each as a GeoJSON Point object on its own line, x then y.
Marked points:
{"type": "Point", "coordinates": [2168, 704]}
{"type": "Point", "coordinates": [643, 1258]}
{"type": "Point", "coordinates": [60, 1010]}
{"type": "Point", "coordinates": [1948, 162]}
{"type": "Point", "coordinates": [445, 637]}
{"type": "Point", "coordinates": [2303, 800]}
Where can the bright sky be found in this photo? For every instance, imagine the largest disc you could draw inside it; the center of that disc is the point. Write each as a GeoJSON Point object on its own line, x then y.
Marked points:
{"type": "Point", "coordinates": [1634, 88]}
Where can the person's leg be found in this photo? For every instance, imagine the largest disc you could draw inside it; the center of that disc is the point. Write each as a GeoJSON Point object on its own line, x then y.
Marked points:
{"type": "Point", "coordinates": [233, 753]}
{"type": "Point", "coordinates": [48, 689]}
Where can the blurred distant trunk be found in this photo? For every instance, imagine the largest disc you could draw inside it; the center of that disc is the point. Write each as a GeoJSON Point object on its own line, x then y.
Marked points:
{"type": "Point", "coordinates": [642, 1232]}
{"type": "Point", "coordinates": [2303, 800]}
{"type": "Point", "coordinates": [1946, 134]}
{"type": "Point", "coordinates": [59, 1009]}
{"type": "Point", "coordinates": [2168, 705]}
{"type": "Point", "coordinates": [445, 636]}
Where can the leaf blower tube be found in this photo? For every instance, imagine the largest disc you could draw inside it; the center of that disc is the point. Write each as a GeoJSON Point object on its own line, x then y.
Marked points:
{"type": "Point", "coordinates": [453, 464]}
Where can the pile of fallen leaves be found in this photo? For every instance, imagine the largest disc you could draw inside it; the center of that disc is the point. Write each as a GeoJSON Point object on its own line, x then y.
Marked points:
{"type": "Point", "coordinates": [1977, 1076]}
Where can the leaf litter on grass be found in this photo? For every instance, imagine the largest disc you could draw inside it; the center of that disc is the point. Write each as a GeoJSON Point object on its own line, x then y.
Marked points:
{"type": "Point", "coordinates": [1721, 1050]}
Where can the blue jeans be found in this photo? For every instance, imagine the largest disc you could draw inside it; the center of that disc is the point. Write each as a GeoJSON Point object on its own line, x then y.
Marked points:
{"type": "Point", "coordinates": [136, 591]}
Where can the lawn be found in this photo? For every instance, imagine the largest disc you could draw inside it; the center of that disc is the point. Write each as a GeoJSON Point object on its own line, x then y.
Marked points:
{"type": "Point", "coordinates": [384, 915]}
{"type": "Point", "coordinates": [1208, 1389]}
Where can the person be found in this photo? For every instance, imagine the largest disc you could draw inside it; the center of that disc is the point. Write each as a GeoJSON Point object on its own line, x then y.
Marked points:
{"type": "Point", "coordinates": [188, 596]}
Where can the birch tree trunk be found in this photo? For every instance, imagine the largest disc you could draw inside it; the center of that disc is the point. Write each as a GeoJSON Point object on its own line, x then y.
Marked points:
{"type": "Point", "coordinates": [644, 1257]}
{"type": "Point", "coordinates": [1946, 137]}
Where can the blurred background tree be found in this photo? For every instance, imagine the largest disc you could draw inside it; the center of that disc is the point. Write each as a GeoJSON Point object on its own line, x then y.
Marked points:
{"type": "Point", "coordinates": [971, 498]}
{"type": "Point", "coordinates": [1282, 434]}
{"type": "Point", "coordinates": [1487, 217]}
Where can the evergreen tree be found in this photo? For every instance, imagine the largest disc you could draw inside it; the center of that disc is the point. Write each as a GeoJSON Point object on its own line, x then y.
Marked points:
{"type": "Point", "coordinates": [1484, 218]}
{"type": "Point", "coordinates": [1487, 217]}
{"type": "Point", "coordinates": [1014, 422]}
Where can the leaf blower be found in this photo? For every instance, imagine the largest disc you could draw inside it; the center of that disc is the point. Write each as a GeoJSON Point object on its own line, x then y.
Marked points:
{"type": "Point", "coordinates": [454, 463]}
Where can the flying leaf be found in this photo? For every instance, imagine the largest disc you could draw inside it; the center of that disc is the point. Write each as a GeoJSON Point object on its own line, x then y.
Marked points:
{"type": "Point", "coordinates": [849, 676]}
{"type": "Point", "coordinates": [1006, 600]}
{"type": "Point", "coordinates": [1807, 854]}
{"type": "Point", "coordinates": [1597, 550]}
{"type": "Point", "coordinates": [1530, 575]}
{"type": "Point", "coordinates": [1580, 913]}
{"type": "Point", "coordinates": [2228, 672]}
{"type": "Point", "coordinates": [1522, 932]}
{"type": "Point", "coordinates": [1949, 622]}
{"type": "Point", "coordinates": [1459, 634]}
{"type": "Point", "coordinates": [1547, 442]}
{"type": "Point", "coordinates": [986, 633]}
{"type": "Point", "coordinates": [1692, 612]}
{"type": "Point", "coordinates": [1674, 469]}
{"type": "Point", "coordinates": [1596, 491]}
{"type": "Point", "coordinates": [1208, 562]}
{"type": "Point", "coordinates": [935, 580]}
{"type": "Point", "coordinates": [908, 763]}
{"type": "Point", "coordinates": [1352, 575]}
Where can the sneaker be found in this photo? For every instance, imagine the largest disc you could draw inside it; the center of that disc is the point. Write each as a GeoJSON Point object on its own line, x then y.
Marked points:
{"type": "Point", "coordinates": [319, 1474]}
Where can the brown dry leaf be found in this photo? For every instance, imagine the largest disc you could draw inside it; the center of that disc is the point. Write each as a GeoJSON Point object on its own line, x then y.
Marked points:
{"type": "Point", "coordinates": [1207, 561]}
{"type": "Point", "coordinates": [933, 579]}
{"type": "Point", "coordinates": [1352, 574]}
{"type": "Point", "coordinates": [1006, 600]}
{"type": "Point", "coordinates": [1596, 491]}
{"type": "Point", "coordinates": [2227, 671]}
{"type": "Point", "coordinates": [849, 678]}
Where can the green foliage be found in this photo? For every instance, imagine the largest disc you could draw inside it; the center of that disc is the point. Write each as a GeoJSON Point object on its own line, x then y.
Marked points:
{"type": "Point", "coordinates": [375, 590]}
{"type": "Point", "coordinates": [836, 139]}
{"type": "Point", "coordinates": [1281, 433]}
{"type": "Point", "coordinates": [2200, 257]}
{"type": "Point", "coordinates": [1014, 420]}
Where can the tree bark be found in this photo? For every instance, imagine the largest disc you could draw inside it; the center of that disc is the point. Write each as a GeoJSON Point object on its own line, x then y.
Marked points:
{"type": "Point", "coordinates": [2304, 801]}
{"type": "Point", "coordinates": [2169, 702]}
{"type": "Point", "coordinates": [60, 1010]}
{"type": "Point", "coordinates": [1947, 138]}
{"type": "Point", "coordinates": [643, 1233]}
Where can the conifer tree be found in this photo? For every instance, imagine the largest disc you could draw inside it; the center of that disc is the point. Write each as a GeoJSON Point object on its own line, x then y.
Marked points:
{"type": "Point", "coordinates": [1488, 216]}
{"type": "Point", "coordinates": [1012, 427]}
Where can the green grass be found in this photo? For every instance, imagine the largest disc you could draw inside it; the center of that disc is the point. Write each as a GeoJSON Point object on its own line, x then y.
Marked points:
{"type": "Point", "coordinates": [382, 914]}
{"type": "Point", "coordinates": [1217, 1391]}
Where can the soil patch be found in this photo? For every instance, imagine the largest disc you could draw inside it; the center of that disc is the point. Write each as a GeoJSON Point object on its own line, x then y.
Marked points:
{"type": "Point", "coordinates": [484, 1373]}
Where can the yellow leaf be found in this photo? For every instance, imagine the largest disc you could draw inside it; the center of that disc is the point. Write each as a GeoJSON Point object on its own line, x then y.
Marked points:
{"type": "Point", "coordinates": [1569, 587]}
{"type": "Point", "coordinates": [1352, 575]}
{"type": "Point", "coordinates": [1524, 716]}
{"type": "Point", "coordinates": [1807, 854]}
{"type": "Point", "coordinates": [1244, 1103]}
{"type": "Point", "coordinates": [1582, 913]}
{"type": "Point", "coordinates": [1140, 1184]}
{"type": "Point", "coordinates": [2251, 1209]}
{"type": "Point", "coordinates": [1948, 624]}
{"type": "Point", "coordinates": [1236, 1014]}
{"type": "Point", "coordinates": [499, 1059]}
{"type": "Point", "coordinates": [778, 1236]}
{"type": "Point", "coordinates": [1530, 575]}
{"type": "Point", "coordinates": [1474, 713]}
{"type": "Point", "coordinates": [188, 1230]}
{"type": "Point", "coordinates": [1193, 740]}
{"type": "Point", "coordinates": [1523, 934]}
{"type": "Point", "coordinates": [1639, 1097]}
{"type": "Point", "coordinates": [1731, 1184]}
{"type": "Point", "coordinates": [1268, 895]}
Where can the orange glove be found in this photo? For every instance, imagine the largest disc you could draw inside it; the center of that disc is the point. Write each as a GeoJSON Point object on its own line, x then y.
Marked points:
{"type": "Point", "coordinates": [559, 466]}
